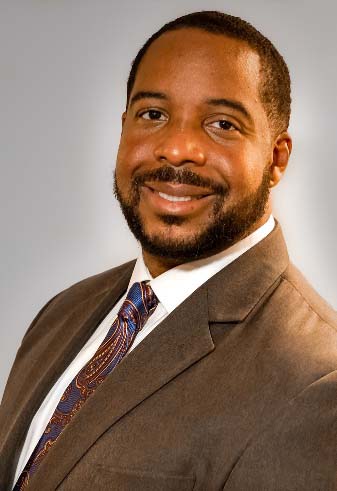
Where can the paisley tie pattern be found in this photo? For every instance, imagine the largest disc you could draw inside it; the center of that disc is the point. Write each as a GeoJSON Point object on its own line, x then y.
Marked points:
{"type": "Point", "coordinates": [136, 309]}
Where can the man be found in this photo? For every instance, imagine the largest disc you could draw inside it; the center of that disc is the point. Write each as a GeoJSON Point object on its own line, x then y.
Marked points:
{"type": "Point", "coordinates": [219, 371]}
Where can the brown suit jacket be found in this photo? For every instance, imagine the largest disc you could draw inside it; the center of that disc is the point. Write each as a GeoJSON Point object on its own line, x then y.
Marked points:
{"type": "Point", "coordinates": [235, 390]}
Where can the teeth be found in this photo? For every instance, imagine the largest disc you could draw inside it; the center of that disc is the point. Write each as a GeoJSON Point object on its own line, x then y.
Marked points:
{"type": "Point", "coordinates": [174, 198]}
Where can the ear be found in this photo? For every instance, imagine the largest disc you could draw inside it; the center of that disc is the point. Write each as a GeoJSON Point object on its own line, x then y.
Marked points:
{"type": "Point", "coordinates": [281, 153]}
{"type": "Point", "coordinates": [123, 119]}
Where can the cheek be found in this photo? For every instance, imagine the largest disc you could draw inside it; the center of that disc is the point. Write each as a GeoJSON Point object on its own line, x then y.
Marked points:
{"type": "Point", "coordinates": [243, 167]}
{"type": "Point", "coordinates": [132, 154]}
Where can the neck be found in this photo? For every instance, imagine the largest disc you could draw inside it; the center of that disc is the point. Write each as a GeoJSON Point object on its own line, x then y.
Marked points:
{"type": "Point", "coordinates": [158, 265]}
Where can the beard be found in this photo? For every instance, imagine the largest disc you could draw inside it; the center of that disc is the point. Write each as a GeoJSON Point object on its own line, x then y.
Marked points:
{"type": "Point", "coordinates": [224, 228]}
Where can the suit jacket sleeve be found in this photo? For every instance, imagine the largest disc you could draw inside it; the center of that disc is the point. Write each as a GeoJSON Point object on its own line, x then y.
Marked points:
{"type": "Point", "coordinates": [299, 449]}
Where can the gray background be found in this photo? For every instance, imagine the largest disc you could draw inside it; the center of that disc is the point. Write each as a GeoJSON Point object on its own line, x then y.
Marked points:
{"type": "Point", "coordinates": [63, 68]}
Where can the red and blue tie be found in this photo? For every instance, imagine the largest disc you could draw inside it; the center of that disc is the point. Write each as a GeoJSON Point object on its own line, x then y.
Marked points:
{"type": "Point", "coordinates": [136, 309]}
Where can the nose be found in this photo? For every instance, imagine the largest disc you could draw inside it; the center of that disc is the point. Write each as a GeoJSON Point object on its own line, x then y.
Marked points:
{"type": "Point", "coordinates": [180, 146]}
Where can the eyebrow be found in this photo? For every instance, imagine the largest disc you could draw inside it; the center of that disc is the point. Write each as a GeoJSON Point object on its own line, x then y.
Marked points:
{"type": "Point", "coordinates": [230, 103]}
{"type": "Point", "coordinates": [238, 106]}
{"type": "Point", "coordinates": [147, 95]}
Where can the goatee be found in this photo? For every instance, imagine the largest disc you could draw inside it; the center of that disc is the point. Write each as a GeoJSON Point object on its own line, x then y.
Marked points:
{"type": "Point", "coordinates": [223, 229]}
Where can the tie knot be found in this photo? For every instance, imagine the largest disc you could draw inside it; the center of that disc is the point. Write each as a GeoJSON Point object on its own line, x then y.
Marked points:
{"type": "Point", "coordinates": [139, 304]}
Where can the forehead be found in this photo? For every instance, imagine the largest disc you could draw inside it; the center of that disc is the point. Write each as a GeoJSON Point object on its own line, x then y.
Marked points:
{"type": "Point", "coordinates": [193, 60]}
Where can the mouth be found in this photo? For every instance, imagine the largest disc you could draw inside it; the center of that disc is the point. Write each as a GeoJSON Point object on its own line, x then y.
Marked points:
{"type": "Point", "coordinates": [178, 192]}
{"type": "Point", "coordinates": [174, 198]}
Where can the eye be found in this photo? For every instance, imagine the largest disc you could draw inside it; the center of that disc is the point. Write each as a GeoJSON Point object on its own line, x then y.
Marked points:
{"type": "Point", "coordinates": [223, 124]}
{"type": "Point", "coordinates": [153, 115]}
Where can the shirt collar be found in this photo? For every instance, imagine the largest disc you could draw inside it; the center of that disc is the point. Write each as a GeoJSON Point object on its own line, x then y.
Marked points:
{"type": "Point", "coordinates": [176, 284]}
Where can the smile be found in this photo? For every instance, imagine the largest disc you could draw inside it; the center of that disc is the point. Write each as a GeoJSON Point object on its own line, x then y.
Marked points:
{"type": "Point", "coordinates": [178, 192]}
{"type": "Point", "coordinates": [177, 198]}
{"type": "Point", "coordinates": [173, 199]}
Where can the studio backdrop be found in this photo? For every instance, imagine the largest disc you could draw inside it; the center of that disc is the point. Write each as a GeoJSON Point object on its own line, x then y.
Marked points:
{"type": "Point", "coordinates": [63, 71]}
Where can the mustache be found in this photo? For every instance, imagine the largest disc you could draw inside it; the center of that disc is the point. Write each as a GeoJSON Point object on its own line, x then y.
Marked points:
{"type": "Point", "coordinates": [180, 176]}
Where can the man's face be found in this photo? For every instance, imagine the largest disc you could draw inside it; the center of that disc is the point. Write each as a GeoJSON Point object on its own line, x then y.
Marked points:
{"type": "Point", "coordinates": [192, 173]}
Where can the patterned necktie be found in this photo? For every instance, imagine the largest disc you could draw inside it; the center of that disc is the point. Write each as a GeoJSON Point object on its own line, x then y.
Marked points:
{"type": "Point", "coordinates": [139, 304]}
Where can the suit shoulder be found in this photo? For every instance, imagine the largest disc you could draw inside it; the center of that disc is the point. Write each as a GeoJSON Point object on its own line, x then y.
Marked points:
{"type": "Point", "coordinates": [298, 283]}
{"type": "Point", "coordinates": [295, 331]}
{"type": "Point", "coordinates": [100, 282]}
{"type": "Point", "coordinates": [84, 291]}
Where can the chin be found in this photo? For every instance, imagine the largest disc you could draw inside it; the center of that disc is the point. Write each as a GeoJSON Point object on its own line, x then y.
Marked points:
{"type": "Point", "coordinates": [186, 239]}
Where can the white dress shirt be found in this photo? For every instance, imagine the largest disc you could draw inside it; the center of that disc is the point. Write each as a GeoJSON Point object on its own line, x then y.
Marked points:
{"type": "Point", "coordinates": [171, 289]}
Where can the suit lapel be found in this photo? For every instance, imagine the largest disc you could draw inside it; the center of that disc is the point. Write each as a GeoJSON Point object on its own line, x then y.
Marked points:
{"type": "Point", "coordinates": [66, 341]}
{"type": "Point", "coordinates": [178, 342]}
{"type": "Point", "coordinates": [238, 288]}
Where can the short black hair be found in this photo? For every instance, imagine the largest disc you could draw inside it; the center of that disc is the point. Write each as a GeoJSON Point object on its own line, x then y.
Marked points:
{"type": "Point", "coordinates": [275, 79]}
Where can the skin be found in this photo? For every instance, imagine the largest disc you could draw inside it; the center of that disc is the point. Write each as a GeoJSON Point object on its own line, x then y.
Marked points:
{"type": "Point", "coordinates": [185, 126]}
